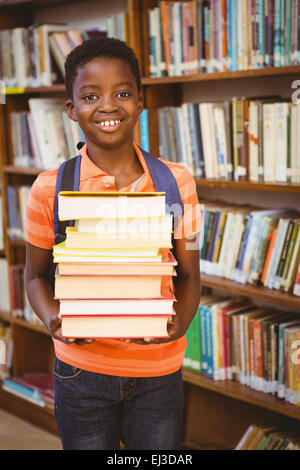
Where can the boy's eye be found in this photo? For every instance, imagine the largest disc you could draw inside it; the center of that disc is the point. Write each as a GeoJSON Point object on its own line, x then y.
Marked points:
{"type": "Point", "coordinates": [90, 97]}
{"type": "Point", "coordinates": [123, 94]}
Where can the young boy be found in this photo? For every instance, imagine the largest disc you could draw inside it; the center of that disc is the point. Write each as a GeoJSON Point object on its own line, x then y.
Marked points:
{"type": "Point", "coordinates": [112, 389]}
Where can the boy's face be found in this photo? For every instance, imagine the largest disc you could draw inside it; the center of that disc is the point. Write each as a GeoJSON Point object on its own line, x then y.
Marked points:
{"type": "Point", "coordinates": [106, 103]}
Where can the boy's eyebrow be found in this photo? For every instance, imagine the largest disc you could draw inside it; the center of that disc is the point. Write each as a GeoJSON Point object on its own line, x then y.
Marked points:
{"type": "Point", "coordinates": [116, 85]}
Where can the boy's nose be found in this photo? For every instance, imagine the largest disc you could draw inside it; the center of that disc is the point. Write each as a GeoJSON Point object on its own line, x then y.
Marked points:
{"type": "Point", "coordinates": [107, 104]}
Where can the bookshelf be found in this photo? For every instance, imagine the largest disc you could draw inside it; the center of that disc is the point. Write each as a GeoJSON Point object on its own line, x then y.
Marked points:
{"type": "Point", "coordinates": [211, 408]}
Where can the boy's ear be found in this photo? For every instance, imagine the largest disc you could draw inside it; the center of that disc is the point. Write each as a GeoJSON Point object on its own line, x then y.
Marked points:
{"type": "Point", "coordinates": [71, 111]}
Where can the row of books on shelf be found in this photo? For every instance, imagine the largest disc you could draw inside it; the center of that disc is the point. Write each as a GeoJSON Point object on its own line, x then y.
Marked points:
{"type": "Point", "coordinates": [269, 437]}
{"type": "Point", "coordinates": [19, 303]}
{"type": "Point", "coordinates": [222, 35]}
{"type": "Point", "coordinates": [250, 245]}
{"type": "Point", "coordinates": [13, 296]}
{"type": "Point", "coordinates": [246, 139]}
{"type": "Point", "coordinates": [37, 387]}
{"type": "Point", "coordinates": [232, 339]}
{"type": "Point", "coordinates": [35, 56]}
{"type": "Point", "coordinates": [44, 136]}
{"type": "Point", "coordinates": [117, 26]}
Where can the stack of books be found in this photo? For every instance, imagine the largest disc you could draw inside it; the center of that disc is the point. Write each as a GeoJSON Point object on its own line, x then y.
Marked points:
{"type": "Point", "coordinates": [114, 269]}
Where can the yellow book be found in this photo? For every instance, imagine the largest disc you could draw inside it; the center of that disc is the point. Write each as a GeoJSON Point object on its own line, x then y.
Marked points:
{"type": "Point", "coordinates": [62, 249]}
{"type": "Point", "coordinates": [132, 241]}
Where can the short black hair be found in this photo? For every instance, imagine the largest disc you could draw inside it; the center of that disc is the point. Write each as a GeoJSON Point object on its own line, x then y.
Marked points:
{"type": "Point", "coordinates": [99, 47]}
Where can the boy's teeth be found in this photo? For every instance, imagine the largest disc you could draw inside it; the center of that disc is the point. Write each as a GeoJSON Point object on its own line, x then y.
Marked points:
{"type": "Point", "coordinates": [109, 123]}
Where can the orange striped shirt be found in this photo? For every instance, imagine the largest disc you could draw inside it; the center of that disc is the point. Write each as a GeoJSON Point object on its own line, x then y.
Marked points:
{"type": "Point", "coordinates": [112, 356]}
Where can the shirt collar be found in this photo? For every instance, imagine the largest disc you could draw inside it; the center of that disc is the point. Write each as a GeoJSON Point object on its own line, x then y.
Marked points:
{"type": "Point", "coordinates": [88, 169]}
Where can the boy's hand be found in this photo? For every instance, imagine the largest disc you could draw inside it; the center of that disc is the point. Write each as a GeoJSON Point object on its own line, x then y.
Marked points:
{"type": "Point", "coordinates": [54, 329]}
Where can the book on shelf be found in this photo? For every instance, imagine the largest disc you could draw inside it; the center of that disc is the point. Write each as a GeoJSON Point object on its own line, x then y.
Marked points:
{"type": "Point", "coordinates": [54, 134]}
{"type": "Point", "coordinates": [20, 306]}
{"type": "Point", "coordinates": [37, 388]}
{"type": "Point", "coordinates": [118, 26]}
{"type": "Point", "coordinates": [207, 36]}
{"type": "Point", "coordinates": [17, 198]}
{"type": "Point", "coordinates": [2, 244]}
{"type": "Point", "coordinates": [232, 339]}
{"type": "Point", "coordinates": [249, 245]}
{"type": "Point", "coordinates": [34, 56]}
{"type": "Point", "coordinates": [46, 146]}
{"type": "Point", "coordinates": [269, 437]}
{"type": "Point", "coordinates": [5, 305]}
{"type": "Point", "coordinates": [6, 350]}
{"type": "Point", "coordinates": [296, 289]}
{"type": "Point", "coordinates": [245, 139]}
{"type": "Point", "coordinates": [127, 292]}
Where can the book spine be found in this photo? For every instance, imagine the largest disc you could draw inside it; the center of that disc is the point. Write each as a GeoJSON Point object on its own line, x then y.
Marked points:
{"type": "Point", "coordinates": [280, 268]}
{"type": "Point", "coordinates": [277, 4]}
{"type": "Point", "coordinates": [289, 255]}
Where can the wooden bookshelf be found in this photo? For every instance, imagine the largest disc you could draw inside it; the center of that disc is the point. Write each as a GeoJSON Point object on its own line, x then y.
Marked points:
{"type": "Point", "coordinates": [248, 290]}
{"type": "Point", "coordinates": [216, 413]}
{"type": "Point", "coordinates": [21, 170]}
{"type": "Point", "coordinates": [248, 185]}
{"type": "Point", "coordinates": [243, 393]}
{"type": "Point", "coordinates": [207, 77]}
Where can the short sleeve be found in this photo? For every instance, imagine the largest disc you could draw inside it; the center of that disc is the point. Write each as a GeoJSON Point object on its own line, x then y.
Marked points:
{"type": "Point", "coordinates": [190, 223]}
{"type": "Point", "coordinates": [39, 222]}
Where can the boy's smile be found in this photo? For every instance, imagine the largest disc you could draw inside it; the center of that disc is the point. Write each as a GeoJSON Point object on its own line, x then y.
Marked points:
{"type": "Point", "coordinates": [106, 103]}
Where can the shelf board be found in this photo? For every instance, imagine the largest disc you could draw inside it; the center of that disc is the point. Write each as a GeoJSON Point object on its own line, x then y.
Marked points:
{"type": "Point", "coordinates": [21, 170]}
{"type": "Point", "coordinates": [243, 393]}
{"type": "Point", "coordinates": [31, 326]}
{"type": "Point", "coordinates": [197, 77]}
{"type": "Point", "coordinates": [206, 77]}
{"type": "Point", "coordinates": [17, 242]}
{"type": "Point", "coordinates": [38, 415]}
{"type": "Point", "coordinates": [248, 290]}
{"type": "Point", "coordinates": [249, 185]}
{"type": "Point", "coordinates": [57, 88]}
{"type": "Point", "coordinates": [5, 316]}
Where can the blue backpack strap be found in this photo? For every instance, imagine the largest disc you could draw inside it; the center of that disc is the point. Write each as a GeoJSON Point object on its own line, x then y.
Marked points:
{"type": "Point", "coordinates": [68, 177]}
{"type": "Point", "coordinates": [165, 181]}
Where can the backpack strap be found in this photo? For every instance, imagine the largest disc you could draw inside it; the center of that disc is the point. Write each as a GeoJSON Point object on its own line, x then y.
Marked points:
{"type": "Point", "coordinates": [165, 181]}
{"type": "Point", "coordinates": [67, 180]}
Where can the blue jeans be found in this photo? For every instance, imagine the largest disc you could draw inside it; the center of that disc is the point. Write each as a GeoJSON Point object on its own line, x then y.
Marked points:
{"type": "Point", "coordinates": [96, 411]}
